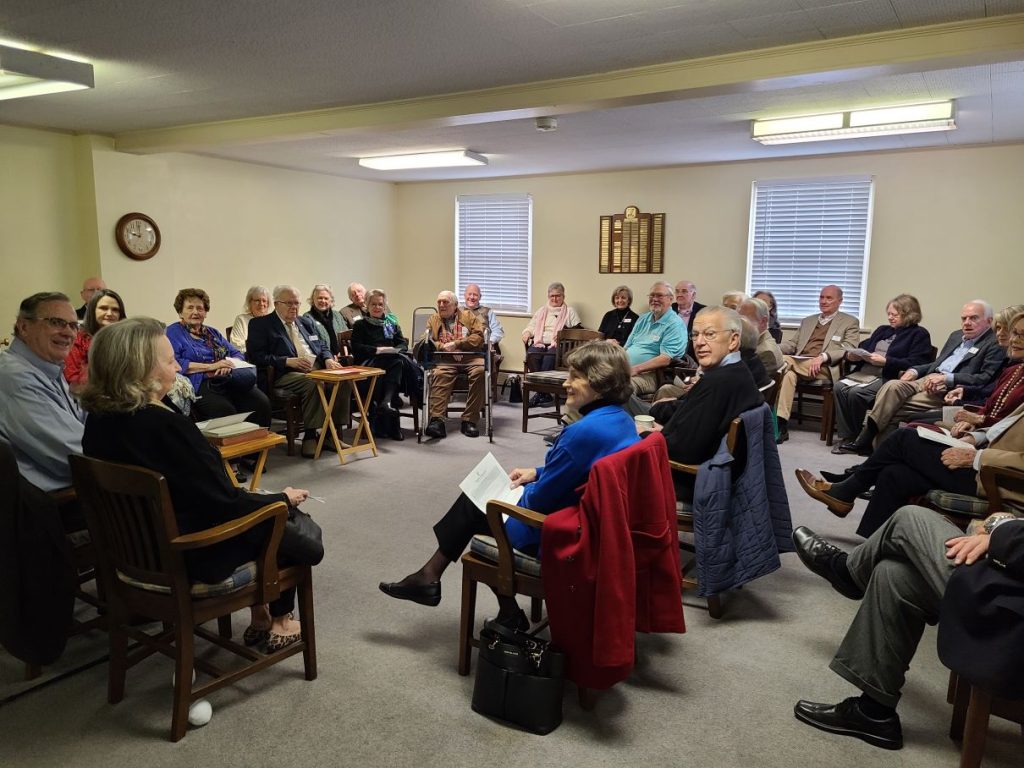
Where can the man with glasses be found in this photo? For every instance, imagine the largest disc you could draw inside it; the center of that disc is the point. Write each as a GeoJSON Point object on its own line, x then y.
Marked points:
{"type": "Point", "coordinates": [290, 345]}
{"type": "Point", "coordinates": [38, 416]}
{"type": "Point", "coordinates": [658, 336]}
{"type": "Point", "coordinates": [452, 329]}
{"type": "Point", "coordinates": [694, 424]}
{"type": "Point", "coordinates": [819, 345]}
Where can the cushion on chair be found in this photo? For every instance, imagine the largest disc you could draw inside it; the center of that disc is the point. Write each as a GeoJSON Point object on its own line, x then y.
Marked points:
{"type": "Point", "coordinates": [958, 503]}
{"type": "Point", "coordinates": [244, 575]}
{"type": "Point", "coordinates": [487, 548]}
{"type": "Point", "coordinates": [554, 377]}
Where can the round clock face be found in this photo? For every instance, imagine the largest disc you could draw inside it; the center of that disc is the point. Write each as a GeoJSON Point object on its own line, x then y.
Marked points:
{"type": "Point", "coordinates": [137, 235]}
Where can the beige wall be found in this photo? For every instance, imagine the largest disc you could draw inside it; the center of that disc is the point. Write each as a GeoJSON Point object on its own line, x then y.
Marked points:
{"type": "Point", "coordinates": [947, 227]}
{"type": "Point", "coordinates": [224, 225]}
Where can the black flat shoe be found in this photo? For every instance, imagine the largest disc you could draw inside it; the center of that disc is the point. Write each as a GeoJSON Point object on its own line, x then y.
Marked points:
{"type": "Point", "coordinates": [823, 559]}
{"type": "Point", "coordinates": [424, 594]}
{"type": "Point", "coordinates": [853, 447]}
{"type": "Point", "coordinates": [435, 429]}
{"type": "Point", "coordinates": [847, 719]}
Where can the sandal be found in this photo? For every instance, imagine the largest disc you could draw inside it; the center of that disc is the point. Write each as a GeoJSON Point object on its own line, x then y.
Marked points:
{"type": "Point", "coordinates": [276, 642]}
{"type": "Point", "coordinates": [254, 635]}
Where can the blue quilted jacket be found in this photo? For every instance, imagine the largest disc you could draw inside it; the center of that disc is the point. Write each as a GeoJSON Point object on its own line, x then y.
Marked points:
{"type": "Point", "coordinates": [741, 524]}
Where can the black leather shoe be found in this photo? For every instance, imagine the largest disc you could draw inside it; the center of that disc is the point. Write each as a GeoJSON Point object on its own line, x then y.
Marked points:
{"type": "Point", "coordinates": [783, 436]}
{"type": "Point", "coordinates": [424, 594]}
{"type": "Point", "coordinates": [821, 558]}
{"type": "Point", "coordinates": [854, 447]}
{"type": "Point", "coordinates": [469, 429]}
{"type": "Point", "coordinates": [436, 429]}
{"type": "Point", "coordinates": [847, 719]}
{"type": "Point", "coordinates": [838, 477]}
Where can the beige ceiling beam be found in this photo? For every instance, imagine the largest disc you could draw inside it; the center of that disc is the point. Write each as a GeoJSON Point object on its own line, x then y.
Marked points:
{"type": "Point", "coordinates": [845, 59]}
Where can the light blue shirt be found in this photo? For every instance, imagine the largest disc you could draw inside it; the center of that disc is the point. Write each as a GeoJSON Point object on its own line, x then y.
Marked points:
{"type": "Point", "coordinates": [38, 416]}
{"type": "Point", "coordinates": [497, 333]}
{"type": "Point", "coordinates": [650, 337]}
{"type": "Point", "coordinates": [949, 365]}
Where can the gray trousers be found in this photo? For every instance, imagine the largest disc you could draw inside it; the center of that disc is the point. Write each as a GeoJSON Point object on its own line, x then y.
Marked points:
{"type": "Point", "coordinates": [312, 408]}
{"type": "Point", "coordinates": [852, 405]}
{"type": "Point", "coordinates": [903, 569]}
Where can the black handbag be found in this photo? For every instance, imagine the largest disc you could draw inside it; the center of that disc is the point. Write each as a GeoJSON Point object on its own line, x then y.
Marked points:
{"type": "Point", "coordinates": [519, 679]}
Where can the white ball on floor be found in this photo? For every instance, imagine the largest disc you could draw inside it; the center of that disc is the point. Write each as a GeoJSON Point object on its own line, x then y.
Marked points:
{"type": "Point", "coordinates": [200, 712]}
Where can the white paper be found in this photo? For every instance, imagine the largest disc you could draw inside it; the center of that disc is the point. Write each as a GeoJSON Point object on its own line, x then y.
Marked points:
{"type": "Point", "coordinates": [487, 481]}
{"type": "Point", "coordinates": [223, 421]}
{"type": "Point", "coordinates": [855, 383]}
{"type": "Point", "coordinates": [858, 353]}
{"type": "Point", "coordinates": [236, 363]}
{"type": "Point", "coordinates": [942, 437]}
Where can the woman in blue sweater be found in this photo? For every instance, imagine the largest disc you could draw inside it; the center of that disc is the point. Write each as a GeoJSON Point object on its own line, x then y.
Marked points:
{"type": "Point", "coordinates": [597, 386]}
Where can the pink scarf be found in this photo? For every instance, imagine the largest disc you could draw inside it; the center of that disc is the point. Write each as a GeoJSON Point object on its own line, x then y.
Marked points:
{"type": "Point", "coordinates": [541, 319]}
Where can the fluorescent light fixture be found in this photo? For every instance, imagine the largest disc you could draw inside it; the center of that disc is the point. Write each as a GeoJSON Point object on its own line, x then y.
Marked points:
{"type": "Point", "coordinates": [453, 159]}
{"type": "Point", "coordinates": [30, 73]}
{"type": "Point", "coordinates": [882, 121]}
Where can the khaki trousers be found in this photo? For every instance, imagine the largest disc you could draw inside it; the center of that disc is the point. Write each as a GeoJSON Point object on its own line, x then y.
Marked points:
{"type": "Point", "coordinates": [645, 383]}
{"type": "Point", "coordinates": [897, 400]}
{"type": "Point", "coordinates": [798, 370]}
{"type": "Point", "coordinates": [442, 381]}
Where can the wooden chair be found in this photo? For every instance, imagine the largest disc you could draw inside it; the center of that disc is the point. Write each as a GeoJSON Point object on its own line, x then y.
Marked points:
{"type": "Point", "coordinates": [141, 566]}
{"type": "Point", "coordinates": [284, 405]}
{"type": "Point", "coordinates": [972, 708]}
{"type": "Point", "coordinates": [550, 382]}
{"type": "Point", "coordinates": [684, 520]}
{"type": "Point", "coordinates": [818, 391]}
{"type": "Point", "coordinates": [80, 546]}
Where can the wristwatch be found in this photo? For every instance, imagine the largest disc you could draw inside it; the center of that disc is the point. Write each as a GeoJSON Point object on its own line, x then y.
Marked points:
{"type": "Point", "coordinates": [993, 521]}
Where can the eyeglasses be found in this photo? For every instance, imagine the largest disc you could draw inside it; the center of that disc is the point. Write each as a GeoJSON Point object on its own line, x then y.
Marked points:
{"type": "Point", "coordinates": [1016, 334]}
{"type": "Point", "coordinates": [660, 296]}
{"type": "Point", "coordinates": [709, 335]}
{"type": "Point", "coordinates": [59, 323]}
{"type": "Point", "coordinates": [289, 303]}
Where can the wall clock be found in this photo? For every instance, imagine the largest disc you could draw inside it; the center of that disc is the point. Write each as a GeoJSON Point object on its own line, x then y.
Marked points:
{"type": "Point", "coordinates": [137, 236]}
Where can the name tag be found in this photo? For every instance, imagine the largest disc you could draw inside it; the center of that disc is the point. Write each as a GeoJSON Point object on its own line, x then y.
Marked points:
{"type": "Point", "coordinates": [627, 320]}
{"type": "Point", "coordinates": [837, 338]}
{"type": "Point", "coordinates": [972, 351]}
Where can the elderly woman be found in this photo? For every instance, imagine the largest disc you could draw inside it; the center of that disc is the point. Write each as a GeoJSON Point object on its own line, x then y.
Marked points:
{"type": "Point", "coordinates": [329, 320]}
{"type": "Point", "coordinates": [884, 355]}
{"type": "Point", "coordinates": [541, 333]}
{"type": "Point", "coordinates": [223, 381]}
{"type": "Point", "coordinates": [617, 323]}
{"type": "Point", "coordinates": [906, 465]}
{"type": "Point", "coordinates": [257, 304]}
{"type": "Point", "coordinates": [377, 341]}
{"type": "Point", "coordinates": [597, 386]}
{"type": "Point", "coordinates": [133, 368]}
{"type": "Point", "coordinates": [104, 308]}
{"type": "Point", "coordinates": [774, 327]}
{"type": "Point", "coordinates": [733, 299]}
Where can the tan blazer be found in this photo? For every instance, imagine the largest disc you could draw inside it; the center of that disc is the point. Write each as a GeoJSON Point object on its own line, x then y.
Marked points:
{"type": "Point", "coordinates": [1006, 451]}
{"type": "Point", "coordinates": [843, 334]}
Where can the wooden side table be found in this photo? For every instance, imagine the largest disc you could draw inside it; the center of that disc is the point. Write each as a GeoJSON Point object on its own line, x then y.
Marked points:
{"type": "Point", "coordinates": [259, 445]}
{"type": "Point", "coordinates": [329, 380]}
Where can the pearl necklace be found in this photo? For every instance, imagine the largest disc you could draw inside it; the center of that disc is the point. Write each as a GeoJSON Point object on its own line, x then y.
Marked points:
{"type": "Point", "coordinates": [1004, 394]}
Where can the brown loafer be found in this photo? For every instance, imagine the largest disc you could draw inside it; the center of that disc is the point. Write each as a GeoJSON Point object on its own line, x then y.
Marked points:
{"type": "Point", "coordinates": [818, 489]}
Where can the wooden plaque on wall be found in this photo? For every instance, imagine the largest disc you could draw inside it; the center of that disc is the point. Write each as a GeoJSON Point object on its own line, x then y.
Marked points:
{"type": "Point", "coordinates": [632, 242]}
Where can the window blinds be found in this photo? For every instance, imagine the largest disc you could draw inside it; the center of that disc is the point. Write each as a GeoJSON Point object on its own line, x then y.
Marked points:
{"type": "Point", "coordinates": [493, 248]}
{"type": "Point", "coordinates": [805, 234]}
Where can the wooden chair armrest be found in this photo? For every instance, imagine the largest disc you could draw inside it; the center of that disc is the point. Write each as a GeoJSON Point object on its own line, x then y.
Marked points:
{"type": "Point", "coordinates": [232, 528]}
{"type": "Point", "coordinates": [64, 496]}
{"type": "Point", "coordinates": [689, 469]}
{"type": "Point", "coordinates": [506, 563]}
{"type": "Point", "coordinates": [267, 576]}
{"type": "Point", "coordinates": [990, 476]}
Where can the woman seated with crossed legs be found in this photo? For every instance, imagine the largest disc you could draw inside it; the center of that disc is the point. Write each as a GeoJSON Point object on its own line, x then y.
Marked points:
{"type": "Point", "coordinates": [597, 386]}
{"type": "Point", "coordinates": [131, 369]}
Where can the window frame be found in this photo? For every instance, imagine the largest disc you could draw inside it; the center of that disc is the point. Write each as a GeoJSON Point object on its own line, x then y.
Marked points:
{"type": "Point", "coordinates": [493, 296]}
{"type": "Point", "coordinates": [856, 292]}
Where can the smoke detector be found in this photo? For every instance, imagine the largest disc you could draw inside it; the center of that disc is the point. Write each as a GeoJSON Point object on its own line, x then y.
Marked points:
{"type": "Point", "coordinates": [545, 124]}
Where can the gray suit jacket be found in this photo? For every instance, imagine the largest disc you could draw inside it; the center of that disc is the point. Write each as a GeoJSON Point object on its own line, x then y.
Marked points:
{"type": "Point", "coordinates": [976, 368]}
{"type": "Point", "coordinates": [843, 334]}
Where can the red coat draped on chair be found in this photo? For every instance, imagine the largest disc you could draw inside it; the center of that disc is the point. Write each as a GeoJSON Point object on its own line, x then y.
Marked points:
{"type": "Point", "coordinates": [611, 564]}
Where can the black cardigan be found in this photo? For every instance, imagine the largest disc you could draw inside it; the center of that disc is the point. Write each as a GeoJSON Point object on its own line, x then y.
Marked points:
{"type": "Point", "coordinates": [911, 345]}
{"type": "Point", "coordinates": [367, 336]}
{"type": "Point", "coordinates": [617, 324]}
{"type": "Point", "coordinates": [167, 442]}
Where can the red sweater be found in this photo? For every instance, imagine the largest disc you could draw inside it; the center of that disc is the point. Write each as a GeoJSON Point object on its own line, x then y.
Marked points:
{"type": "Point", "coordinates": [611, 564]}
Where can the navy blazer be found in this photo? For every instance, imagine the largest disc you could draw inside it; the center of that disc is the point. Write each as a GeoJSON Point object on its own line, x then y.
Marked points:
{"type": "Point", "coordinates": [269, 344]}
{"type": "Point", "coordinates": [912, 345]}
{"type": "Point", "coordinates": [975, 368]}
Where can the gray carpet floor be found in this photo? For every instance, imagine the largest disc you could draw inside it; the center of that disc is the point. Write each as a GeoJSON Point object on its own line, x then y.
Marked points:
{"type": "Point", "coordinates": [388, 694]}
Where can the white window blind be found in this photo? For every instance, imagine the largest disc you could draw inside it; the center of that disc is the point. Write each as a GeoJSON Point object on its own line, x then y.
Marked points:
{"type": "Point", "coordinates": [808, 233]}
{"type": "Point", "coordinates": [493, 235]}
